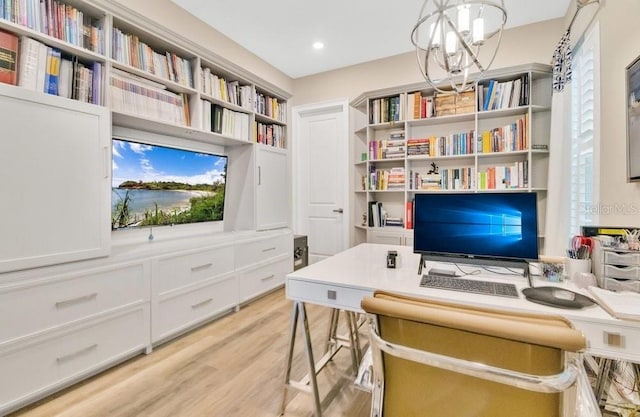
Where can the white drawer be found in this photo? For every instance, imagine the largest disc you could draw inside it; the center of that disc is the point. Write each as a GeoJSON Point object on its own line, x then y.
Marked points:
{"type": "Point", "coordinates": [36, 305]}
{"type": "Point", "coordinates": [625, 272]}
{"type": "Point", "coordinates": [187, 269]}
{"type": "Point", "coordinates": [38, 367]}
{"type": "Point", "coordinates": [334, 296]}
{"type": "Point", "coordinates": [621, 285]}
{"type": "Point", "coordinates": [254, 282]}
{"type": "Point", "coordinates": [628, 259]}
{"type": "Point", "coordinates": [257, 251]}
{"type": "Point", "coordinates": [618, 342]}
{"type": "Point", "coordinates": [187, 308]}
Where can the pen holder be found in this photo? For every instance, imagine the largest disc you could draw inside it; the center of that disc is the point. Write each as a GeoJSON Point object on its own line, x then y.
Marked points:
{"type": "Point", "coordinates": [573, 267]}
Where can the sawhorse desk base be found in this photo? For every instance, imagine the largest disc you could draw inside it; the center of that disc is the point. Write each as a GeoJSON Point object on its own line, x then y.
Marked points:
{"type": "Point", "coordinates": [309, 383]}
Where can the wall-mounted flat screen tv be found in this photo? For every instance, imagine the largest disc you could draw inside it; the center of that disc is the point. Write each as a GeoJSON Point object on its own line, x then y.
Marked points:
{"type": "Point", "coordinates": [158, 185]}
{"type": "Point", "coordinates": [479, 228]}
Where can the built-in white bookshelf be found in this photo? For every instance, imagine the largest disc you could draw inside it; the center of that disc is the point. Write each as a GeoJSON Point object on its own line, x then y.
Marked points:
{"type": "Point", "coordinates": [412, 140]}
{"type": "Point", "coordinates": [149, 79]}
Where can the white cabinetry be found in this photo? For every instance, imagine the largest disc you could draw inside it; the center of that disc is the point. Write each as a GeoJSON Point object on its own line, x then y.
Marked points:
{"type": "Point", "coordinates": [262, 264]}
{"type": "Point", "coordinates": [190, 287]}
{"type": "Point", "coordinates": [54, 161]}
{"type": "Point", "coordinates": [390, 237]}
{"type": "Point", "coordinates": [57, 328]}
{"type": "Point", "coordinates": [272, 190]}
{"type": "Point", "coordinates": [257, 196]}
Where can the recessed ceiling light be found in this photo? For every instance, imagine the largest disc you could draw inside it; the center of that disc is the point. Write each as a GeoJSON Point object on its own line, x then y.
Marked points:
{"type": "Point", "coordinates": [318, 45]}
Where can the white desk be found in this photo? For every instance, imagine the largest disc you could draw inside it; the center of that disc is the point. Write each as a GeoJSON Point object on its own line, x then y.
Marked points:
{"type": "Point", "coordinates": [342, 280]}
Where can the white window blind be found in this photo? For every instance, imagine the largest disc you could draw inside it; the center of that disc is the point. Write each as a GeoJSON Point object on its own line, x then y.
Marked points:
{"type": "Point", "coordinates": [584, 121]}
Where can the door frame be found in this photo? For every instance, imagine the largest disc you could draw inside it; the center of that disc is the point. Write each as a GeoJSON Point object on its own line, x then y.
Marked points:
{"type": "Point", "coordinates": [339, 105]}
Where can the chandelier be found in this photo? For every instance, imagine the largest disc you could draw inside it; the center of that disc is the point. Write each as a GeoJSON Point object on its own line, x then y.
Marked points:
{"type": "Point", "coordinates": [450, 39]}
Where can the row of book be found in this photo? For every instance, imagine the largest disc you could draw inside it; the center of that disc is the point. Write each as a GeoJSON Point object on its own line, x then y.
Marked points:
{"type": "Point", "coordinates": [228, 91]}
{"type": "Point", "coordinates": [392, 148]}
{"type": "Point", "coordinates": [58, 20]}
{"type": "Point", "coordinates": [387, 109]}
{"type": "Point", "coordinates": [44, 69]}
{"type": "Point", "coordinates": [419, 106]}
{"type": "Point", "coordinates": [511, 137]}
{"type": "Point", "coordinates": [269, 134]}
{"type": "Point", "coordinates": [453, 144]}
{"type": "Point", "coordinates": [392, 179]}
{"type": "Point", "coordinates": [497, 95]}
{"type": "Point", "coordinates": [131, 94]}
{"type": "Point", "coordinates": [226, 122]}
{"type": "Point", "coordinates": [130, 50]}
{"type": "Point", "coordinates": [378, 216]}
{"type": "Point", "coordinates": [502, 177]}
{"type": "Point", "coordinates": [447, 179]}
{"type": "Point", "coordinates": [270, 107]}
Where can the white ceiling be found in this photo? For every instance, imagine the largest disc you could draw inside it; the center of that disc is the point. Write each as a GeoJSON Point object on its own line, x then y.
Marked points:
{"type": "Point", "coordinates": [282, 31]}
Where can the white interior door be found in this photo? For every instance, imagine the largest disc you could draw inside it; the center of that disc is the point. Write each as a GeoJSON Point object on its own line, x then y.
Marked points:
{"type": "Point", "coordinates": [321, 176]}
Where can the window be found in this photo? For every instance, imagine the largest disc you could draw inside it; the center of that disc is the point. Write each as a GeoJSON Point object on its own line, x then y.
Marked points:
{"type": "Point", "coordinates": [584, 130]}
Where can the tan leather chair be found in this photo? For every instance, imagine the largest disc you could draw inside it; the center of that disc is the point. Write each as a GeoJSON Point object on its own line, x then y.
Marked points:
{"type": "Point", "coordinates": [435, 359]}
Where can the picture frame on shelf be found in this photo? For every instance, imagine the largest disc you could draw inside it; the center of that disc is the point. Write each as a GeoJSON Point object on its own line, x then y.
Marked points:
{"type": "Point", "coordinates": [632, 76]}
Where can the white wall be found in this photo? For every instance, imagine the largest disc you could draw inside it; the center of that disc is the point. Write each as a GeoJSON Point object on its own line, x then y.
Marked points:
{"type": "Point", "coordinates": [522, 45]}
{"type": "Point", "coordinates": [619, 45]}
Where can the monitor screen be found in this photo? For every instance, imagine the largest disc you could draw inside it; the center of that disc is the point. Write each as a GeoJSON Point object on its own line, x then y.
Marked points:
{"type": "Point", "coordinates": [476, 227]}
{"type": "Point", "coordinates": [157, 185]}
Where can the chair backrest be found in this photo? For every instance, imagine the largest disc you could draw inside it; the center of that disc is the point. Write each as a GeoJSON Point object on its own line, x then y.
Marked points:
{"type": "Point", "coordinates": [522, 344]}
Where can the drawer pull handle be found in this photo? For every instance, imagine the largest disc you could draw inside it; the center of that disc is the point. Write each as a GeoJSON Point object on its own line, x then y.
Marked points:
{"type": "Point", "coordinates": [202, 303]}
{"type": "Point", "coordinates": [82, 299]}
{"type": "Point", "coordinates": [614, 339]}
{"type": "Point", "coordinates": [201, 267]}
{"type": "Point", "coordinates": [268, 278]}
{"type": "Point", "coordinates": [65, 358]}
{"type": "Point", "coordinates": [268, 249]}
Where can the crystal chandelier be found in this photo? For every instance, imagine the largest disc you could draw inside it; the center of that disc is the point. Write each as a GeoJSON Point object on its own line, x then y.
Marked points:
{"type": "Point", "coordinates": [450, 38]}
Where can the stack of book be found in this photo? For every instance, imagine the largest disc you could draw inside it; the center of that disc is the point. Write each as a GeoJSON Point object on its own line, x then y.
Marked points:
{"type": "Point", "coordinates": [454, 144]}
{"type": "Point", "coordinates": [132, 94]}
{"type": "Point", "coordinates": [497, 95]}
{"type": "Point", "coordinates": [56, 19]}
{"type": "Point", "coordinates": [228, 91]}
{"type": "Point", "coordinates": [130, 50]}
{"type": "Point", "coordinates": [508, 138]}
{"type": "Point", "coordinates": [419, 106]}
{"type": "Point", "coordinates": [384, 110]}
{"type": "Point", "coordinates": [396, 179]}
{"type": "Point", "coordinates": [269, 134]}
{"type": "Point", "coordinates": [227, 122]}
{"type": "Point", "coordinates": [457, 178]}
{"type": "Point", "coordinates": [44, 69]}
{"type": "Point", "coordinates": [425, 181]}
{"type": "Point", "coordinates": [270, 107]}
{"type": "Point", "coordinates": [503, 177]}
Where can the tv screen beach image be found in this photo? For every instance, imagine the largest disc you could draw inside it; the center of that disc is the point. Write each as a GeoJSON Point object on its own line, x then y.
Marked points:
{"type": "Point", "coordinates": [158, 185]}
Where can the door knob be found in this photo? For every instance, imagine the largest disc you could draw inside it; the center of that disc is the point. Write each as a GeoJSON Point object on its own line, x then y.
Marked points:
{"type": "Point", "coordinates": [338, 210]}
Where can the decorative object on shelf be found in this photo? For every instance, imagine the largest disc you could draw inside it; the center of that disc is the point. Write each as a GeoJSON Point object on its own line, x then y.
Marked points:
{"type": "Point", "coordinates": [449, 35]}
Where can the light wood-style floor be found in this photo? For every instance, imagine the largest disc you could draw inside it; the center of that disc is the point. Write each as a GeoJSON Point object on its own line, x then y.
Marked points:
{"type": "Point", "coordinates": [233, 367]}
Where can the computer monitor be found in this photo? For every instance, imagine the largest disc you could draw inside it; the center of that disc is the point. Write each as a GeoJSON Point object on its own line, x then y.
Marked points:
{"type": "Point", "coordinates": [498, 229]}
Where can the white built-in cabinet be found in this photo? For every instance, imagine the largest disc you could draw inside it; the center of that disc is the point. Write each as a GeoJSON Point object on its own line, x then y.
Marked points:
{"type": "Point", "coordinates": [62, 323]}
{"type": "Point", "coordinates": [272, 197]}
{"type": "Point", "coordinates": [55, 170]}
{"type": "Point", "coordinates": [75, 300]}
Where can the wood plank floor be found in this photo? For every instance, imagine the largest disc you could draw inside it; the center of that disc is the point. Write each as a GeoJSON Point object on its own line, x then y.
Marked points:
{"type": "Point", "coordinates": [233, 367]}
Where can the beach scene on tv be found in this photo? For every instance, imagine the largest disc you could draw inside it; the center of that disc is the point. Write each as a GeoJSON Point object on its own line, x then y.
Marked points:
{"type": "Point", "coordinates": [157, 185]}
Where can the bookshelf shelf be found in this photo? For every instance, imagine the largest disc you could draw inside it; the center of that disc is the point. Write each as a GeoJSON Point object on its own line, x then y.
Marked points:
{"type": "Point", "coordinates": [473, 151]}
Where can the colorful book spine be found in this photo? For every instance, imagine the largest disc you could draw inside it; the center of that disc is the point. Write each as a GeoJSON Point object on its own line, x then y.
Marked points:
{"type": "Point", "coordinates": [9, 56]}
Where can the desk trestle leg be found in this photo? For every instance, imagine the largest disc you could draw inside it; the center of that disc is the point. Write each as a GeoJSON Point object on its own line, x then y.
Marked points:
{"type": "Point", "coordinates": [335, 342]}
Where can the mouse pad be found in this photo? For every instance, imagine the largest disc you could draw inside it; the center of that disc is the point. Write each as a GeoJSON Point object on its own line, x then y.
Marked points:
{"type": "Point", "coordinates": [557, 297]}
